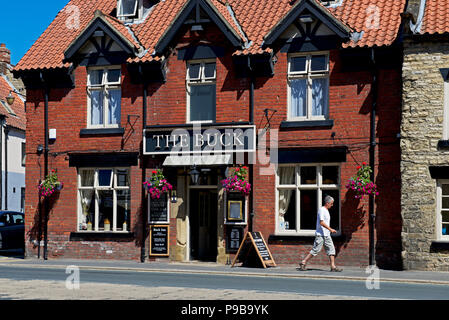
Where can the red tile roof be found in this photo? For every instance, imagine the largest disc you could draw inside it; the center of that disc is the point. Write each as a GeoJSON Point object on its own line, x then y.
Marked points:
{"type": "Point", "coordinates": [18, 107]}
{"type": "Point", "coordinates": [251, 20]}
{"type": "Point", "coordinates": [436, 17]}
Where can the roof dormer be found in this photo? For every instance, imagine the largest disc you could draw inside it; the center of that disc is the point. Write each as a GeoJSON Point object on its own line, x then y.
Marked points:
{"type": "Point", "coordinates": [131, 11]}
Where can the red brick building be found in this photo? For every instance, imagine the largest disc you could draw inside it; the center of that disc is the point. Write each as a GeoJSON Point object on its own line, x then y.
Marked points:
{"type": "Point", "coordinates": [319, 81]}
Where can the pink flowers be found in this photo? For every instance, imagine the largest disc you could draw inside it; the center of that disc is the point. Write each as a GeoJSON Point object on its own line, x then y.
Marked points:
{"type": "Point", "coordinates": [361, 182]}
{"type": "Point", "coordinates": [237, 181]}
{"type": "Point", "coordinates": [157, 184]}
{"type": "Point", "coordinates": [50, 185]}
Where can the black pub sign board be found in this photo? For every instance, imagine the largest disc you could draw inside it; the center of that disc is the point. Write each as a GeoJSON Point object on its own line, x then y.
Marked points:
{"type": "Point", "coordinates": [200, 140]}
{"type": "Point", "coordinates": [254, 249]}
{"type": "Point", "coordinates": [234, 236]}
{"type": "Point", "coordinates": [158, 210]}
{"type": "Point", "coordinates": [159, 241]}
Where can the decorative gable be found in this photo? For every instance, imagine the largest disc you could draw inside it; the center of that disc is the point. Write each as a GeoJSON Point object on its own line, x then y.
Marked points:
{"type": "Point", "coordinates": [308, 26]}
{"type": "Point", "coordinates": [103, 42]}
{"type": "Point", "coordinates": [198, 14]}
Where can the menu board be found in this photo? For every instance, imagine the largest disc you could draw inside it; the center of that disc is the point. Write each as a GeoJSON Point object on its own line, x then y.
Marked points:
{"type": "Point", "coordinates": [234, 235]}
{"type": "Point", "coordinates": [158, 210]}
{"type": "Point", "coordinates": [159, 241]}
{"type": "Point", "coordinates": [254, 241]}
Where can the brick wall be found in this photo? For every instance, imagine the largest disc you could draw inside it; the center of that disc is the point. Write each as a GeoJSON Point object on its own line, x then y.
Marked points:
{"type": "Point", "coordinates": [350, 105]}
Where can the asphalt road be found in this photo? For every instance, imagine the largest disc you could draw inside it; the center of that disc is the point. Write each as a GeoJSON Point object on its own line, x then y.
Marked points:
{"type": "Point", "coordinates": [275, 285]}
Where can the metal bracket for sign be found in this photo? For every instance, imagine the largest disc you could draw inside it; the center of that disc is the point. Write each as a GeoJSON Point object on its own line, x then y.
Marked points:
{"type": "Point", "coordinates": [208, 152]}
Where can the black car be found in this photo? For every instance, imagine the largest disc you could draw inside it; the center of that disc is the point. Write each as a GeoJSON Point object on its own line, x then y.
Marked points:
{"type": "Point", "coordinates": [12, 230]}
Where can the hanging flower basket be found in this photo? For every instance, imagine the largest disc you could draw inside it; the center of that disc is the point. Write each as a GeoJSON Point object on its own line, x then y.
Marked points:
{"type": "Point", "coordinates": [237, 181]}
{"type": "Point", "coordinates": [50, 185]}
{"type": "Point", "coordinates": [361, 183]}
{"type": "Point", "coordinates": [157, 184]}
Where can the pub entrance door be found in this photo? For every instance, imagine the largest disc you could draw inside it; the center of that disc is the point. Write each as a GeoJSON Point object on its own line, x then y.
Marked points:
{"type": "Point", "coordinates": [203, 224]}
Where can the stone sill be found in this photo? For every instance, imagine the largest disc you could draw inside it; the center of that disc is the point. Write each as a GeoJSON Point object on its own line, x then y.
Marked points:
{"type": "Point", "coordinates": [273, 239]}
{"type": "Point", "coordinates": [105, 131]}
{"type": "Point", "coordinates": [307, 124]}
{"type": "Point", "coordinates": [102, 236]}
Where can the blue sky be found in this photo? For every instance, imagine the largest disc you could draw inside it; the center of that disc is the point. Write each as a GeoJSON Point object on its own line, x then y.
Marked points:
{"type": "Point", "coordinates": [24, 21]}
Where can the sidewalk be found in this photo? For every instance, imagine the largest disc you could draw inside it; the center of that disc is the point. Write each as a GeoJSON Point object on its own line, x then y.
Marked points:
{"type": "Point", "coordinates": [315, 272]}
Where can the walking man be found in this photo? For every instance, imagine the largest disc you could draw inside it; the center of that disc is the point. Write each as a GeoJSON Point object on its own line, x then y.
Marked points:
{"type": "Point", "coordinates": [323, 236]}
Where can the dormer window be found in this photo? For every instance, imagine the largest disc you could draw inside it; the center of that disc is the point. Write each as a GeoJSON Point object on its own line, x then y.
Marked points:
{"type": "Point", "coordinates": [127, 8]}
{"type": "Point", "coordinates": [131, 11]}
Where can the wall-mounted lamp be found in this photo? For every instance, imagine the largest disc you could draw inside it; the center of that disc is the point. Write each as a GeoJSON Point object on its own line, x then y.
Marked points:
{"type": "Point", "coordinates": [40, 149]}
{"type": "Point", "coordinates": [195, 175]}
{"type": "Point", "coordinates": [174, 197]}
{"type": "Point", "coordinates": [10, 98]}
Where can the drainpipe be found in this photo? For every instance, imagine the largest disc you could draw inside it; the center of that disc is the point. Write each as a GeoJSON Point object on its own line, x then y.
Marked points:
{"type": "Point", "coordinates": [46, 93]}
{"type": "Point", "coordinates": [6, 166]}
{"type": "Point", "coordinates": [143, 202]}
{"type": "Point", "coordinates": [251, 121]}
{"type": "Point", "coordinates": [372, 159]}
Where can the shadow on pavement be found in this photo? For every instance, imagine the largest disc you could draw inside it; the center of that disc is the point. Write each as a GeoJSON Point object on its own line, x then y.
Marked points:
{"type": "Point", "coordinates": [13, 253]}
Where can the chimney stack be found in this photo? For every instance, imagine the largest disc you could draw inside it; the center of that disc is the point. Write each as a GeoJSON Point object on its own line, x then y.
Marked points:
{"type": "Point", "coordinates": [5, 58]}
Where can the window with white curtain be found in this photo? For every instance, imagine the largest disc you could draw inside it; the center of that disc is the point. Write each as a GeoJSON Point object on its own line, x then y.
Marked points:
{"type": "Point", "coordinates": [104, 97]}
{"type": "Point", "coordinates": [442, 225]}
{"type": "Point", "coordinates": [104, 203]}
{"type": "Point", "coordinates": [201, 91]}
{"type": "Point", "coordinates": [300, 192]}
{"type": "Point", "coordinates": [308, 86]}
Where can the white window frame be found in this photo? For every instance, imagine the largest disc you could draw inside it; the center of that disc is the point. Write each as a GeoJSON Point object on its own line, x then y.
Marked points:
{"type": "Point", "coordinates": [96, 188]}
{"type": "Point", "coordinates": [439, 220]}
{"type": "Point", "coordinates": [446, 111]}
{"type": "Point", "coordinates": [127, 16]}
{"type": "Point", "coordinates": [105, 87]}
{"type": "Point", "coordinates": [298, 187]}
{"type": "Point", "coordinates": [200, 81]}
{"type": "Point", "coordinates": [308, 75]}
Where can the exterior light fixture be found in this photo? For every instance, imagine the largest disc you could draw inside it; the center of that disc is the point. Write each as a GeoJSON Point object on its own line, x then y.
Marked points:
{"type": "Point", "coordinates": [174, 197]}
{"type": "Point", "coordinates": [195, 175]}
{"type": "Point", "coordinates": [40, 149]}
{"type": "Point", "coordinates": [10, 98]}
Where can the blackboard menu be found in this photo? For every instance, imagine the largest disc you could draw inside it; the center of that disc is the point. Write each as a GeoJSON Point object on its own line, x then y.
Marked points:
{"type": "Point", "coordinates": [261, 247]}
{"type": "Point", "coordinates": [159, 241]}
{"type": "Point", "coordinates": [234, 237]}
{"type": "Point", "coordinates": [253, 242]}
{"type": "Point", "coordinates": [158, 210]}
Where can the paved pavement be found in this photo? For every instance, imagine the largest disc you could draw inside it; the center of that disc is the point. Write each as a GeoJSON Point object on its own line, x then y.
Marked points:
{"type": "Point", "coordinates": [313, 272]}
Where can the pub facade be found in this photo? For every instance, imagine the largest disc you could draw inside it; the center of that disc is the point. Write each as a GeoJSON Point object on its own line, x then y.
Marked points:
{"type": "Point", "coordinates": [123, 96]}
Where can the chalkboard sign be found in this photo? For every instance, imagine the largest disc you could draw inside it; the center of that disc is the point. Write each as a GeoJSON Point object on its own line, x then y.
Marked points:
{"type": "Point", "coordinates": [234, 236]}
{"type": "Point", "coordinates": [254, 241]}
{"type": "Point", "coordinates": [159, 241]}
{"type": "Point", "coordinates": [158, 210]}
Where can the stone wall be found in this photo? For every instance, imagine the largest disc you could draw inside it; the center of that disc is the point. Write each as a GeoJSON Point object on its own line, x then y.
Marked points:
{"type": "Point", "coordinates": [421, 129]}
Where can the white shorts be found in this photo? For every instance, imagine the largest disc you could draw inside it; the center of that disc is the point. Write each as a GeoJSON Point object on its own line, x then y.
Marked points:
{"type": "Point", "coordinates": [318, 245]}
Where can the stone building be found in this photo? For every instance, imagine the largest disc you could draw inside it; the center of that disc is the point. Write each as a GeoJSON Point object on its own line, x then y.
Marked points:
{"type": "Point", "coordinates": [425, 137]}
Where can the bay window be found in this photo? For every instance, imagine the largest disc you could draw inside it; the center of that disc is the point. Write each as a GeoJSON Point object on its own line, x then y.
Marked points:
{"type": "Point", "coordinates": [300, 192]}
{"type": "Point", "coordinates": [201, 91]}
{"type": "Point", "coordinates": [104, 200]}
{"type": "Point", "coordinates": [104, 97]}
{"type": "Point", "coordinates": [308, 87]}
